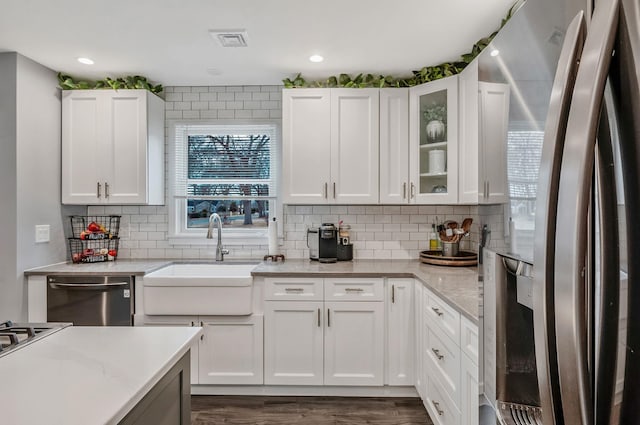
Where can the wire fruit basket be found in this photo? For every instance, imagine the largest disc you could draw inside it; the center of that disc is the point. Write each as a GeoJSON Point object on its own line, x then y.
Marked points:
{"type": "Point", "coordinates": [94, 238]}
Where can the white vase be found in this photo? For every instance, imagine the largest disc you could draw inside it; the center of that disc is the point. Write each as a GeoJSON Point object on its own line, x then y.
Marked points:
{"type": "Point", "coordinates": [435, 131]}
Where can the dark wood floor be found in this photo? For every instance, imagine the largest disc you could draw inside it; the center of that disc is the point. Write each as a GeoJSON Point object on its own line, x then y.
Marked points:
{"type": "Point", "coordinates": [214, 410]}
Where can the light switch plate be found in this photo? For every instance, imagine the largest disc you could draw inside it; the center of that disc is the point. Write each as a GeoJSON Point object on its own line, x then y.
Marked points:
{"type": "Point", "coordinates": [42, 233]}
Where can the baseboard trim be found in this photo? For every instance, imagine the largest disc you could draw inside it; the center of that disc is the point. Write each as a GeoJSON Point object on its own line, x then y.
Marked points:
{"type": "Point", "coordinates": [292, 390]}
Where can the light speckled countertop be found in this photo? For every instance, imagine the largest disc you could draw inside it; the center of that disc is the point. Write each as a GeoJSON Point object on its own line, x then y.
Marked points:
{"type": "Point", "coordinates": [456, 285]}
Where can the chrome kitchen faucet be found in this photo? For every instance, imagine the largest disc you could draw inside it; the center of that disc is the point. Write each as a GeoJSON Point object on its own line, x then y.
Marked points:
{"type": "Point", "coordinates": [220, 252]}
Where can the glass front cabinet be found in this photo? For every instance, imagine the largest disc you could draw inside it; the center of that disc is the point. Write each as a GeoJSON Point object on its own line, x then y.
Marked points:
{"type": "Point", "coordinates": [433, 140]}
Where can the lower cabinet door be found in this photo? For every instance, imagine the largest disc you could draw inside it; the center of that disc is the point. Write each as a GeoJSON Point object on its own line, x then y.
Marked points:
{"type": "Point", "coordinates": [179, 321]}
{"type": "Point", "coordinates": [231, 350]}
{"type": "Point", "coordinates": [442, 410]}
{"type": "Point", "coordinates": [293, 342]}
{"type": "Point", "coordinates": [469, 404]}
{"type": "Point", "coordinates": [354, 343]}
{"type": "Point", "coordinates": [400, 332]}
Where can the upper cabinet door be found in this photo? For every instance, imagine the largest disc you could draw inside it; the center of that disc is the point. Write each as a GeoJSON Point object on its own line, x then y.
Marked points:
{"type": "Point", "coordinates": [354, 146]}
{"type": "Point", "coordinates": [394, 146]}
{"type": "Point", "coordinates": [306, 144]}
{"type": "Point", "coordinates": [471, 183]}
{"type": "Point", "coordinates": [127, 145]}
{"type": "Point", "coordinates": [112, 147]}
{"type": "Point", "coordinates": [494, 121]}
{"type": "Point", "coordinates": [433, 134]}
{"type": "Point", "coordinates": [83, 125]}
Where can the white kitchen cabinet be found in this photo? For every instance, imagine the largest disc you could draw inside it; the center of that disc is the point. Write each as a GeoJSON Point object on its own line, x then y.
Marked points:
{"type": "Point", "coordinates": [448, 362]}
{"type": "Point", "coordinates": [293, 343]}
{"type": "Point", "coordinates": [469, 400]}
{"type": "Point", "coordinates": [354, 343]}
{"type": "Point", "coordinates": [112, 147]}
{"type": "Point", "coordinates": [484, 118]}
{"type": "Point", "coordinates": [330, 144]}
{"type": "Point", "coordinates": [179, 321]}
{"type": "Point", "coordinates": [337, 339]}
{"type": "Point", "coordinates": [400, 332]}
{"type": "Point", "coordinates": [231, 350]}
{"type": "Point", "coordinates": [433, 142]}
{"type": "Point", "coordinates": [394, 146]}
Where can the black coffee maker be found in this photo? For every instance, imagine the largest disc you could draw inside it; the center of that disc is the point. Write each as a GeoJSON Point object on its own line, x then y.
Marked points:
{"type": "Point", "coordinates": [326, 238]}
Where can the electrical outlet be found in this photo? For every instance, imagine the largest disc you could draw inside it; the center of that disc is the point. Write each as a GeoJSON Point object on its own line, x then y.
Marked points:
{"type": "Point", "coordinates": [42, 233]}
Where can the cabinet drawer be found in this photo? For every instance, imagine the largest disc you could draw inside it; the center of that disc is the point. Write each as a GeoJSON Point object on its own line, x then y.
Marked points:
{"type": "Point", "coordinates": [469, 339]}
{"type": "Point", "coordinates": [349, 289]}
{"type": "Point", "coordinates": [443, 361]}
{"type": "Point", "coordinates": [441, 408]}
{"type": "Point", "coordinates": [441, 314]}
{"type": "Point", "coordinates": [290, 288]}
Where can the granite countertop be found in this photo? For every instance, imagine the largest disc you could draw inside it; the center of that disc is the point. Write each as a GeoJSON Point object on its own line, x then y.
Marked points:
{"type": "Point", "coordinates": [456, 285]}
{"type": "Point", "coordinates": [115, 366]}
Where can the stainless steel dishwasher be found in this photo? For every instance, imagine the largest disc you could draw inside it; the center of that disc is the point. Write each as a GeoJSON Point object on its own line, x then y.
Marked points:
{"type": "Point", "coordinates": [90, 300]}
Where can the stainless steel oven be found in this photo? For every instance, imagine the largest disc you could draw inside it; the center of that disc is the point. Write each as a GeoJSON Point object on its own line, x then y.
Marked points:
{"type": "Point", "coordinates": [90, 300]}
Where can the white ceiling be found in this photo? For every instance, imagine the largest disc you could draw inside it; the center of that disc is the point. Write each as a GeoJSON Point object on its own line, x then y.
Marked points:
{"type": "Point", "coordinates": [168, 40]}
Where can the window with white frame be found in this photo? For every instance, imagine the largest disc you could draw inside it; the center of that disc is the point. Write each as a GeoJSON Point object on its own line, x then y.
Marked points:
{"type": "Point", "coordinates": [228, 169]}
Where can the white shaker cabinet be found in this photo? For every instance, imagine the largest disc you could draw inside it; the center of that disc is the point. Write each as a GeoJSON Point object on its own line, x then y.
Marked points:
{"type": "Point", "coordinates": [231, 350]}
{"type": "Point", "coordinates": [394, 146]}
{"type": "Point", "coordinates": [433, 142]}
{"type": "Point", "coordinates": [112, 147]}
{"type": "Point", "coordinates": [293, 343]}
{"type": "Point", "coordinates": [354, 343]}
{"type": "Point", "coordinates": [330, 143]}
{"type": "Point", "coordinates": [400, 332]}
{"type": "Point", "coordinates": [484, 118]}
{"type": "Point", "coordinates": [323, 332]}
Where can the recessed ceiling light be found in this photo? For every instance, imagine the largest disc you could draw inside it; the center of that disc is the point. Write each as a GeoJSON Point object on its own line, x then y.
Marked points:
{"type": "Point", "coordinates": [495, 52]}
{"type": "Point", "coordinates": [316, 58]}
{"type": "Point", "coordinates": [85, 61]}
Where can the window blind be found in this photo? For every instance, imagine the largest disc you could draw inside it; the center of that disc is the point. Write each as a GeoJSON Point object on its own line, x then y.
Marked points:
{"type": "Point", "coordinates": [225, 161]}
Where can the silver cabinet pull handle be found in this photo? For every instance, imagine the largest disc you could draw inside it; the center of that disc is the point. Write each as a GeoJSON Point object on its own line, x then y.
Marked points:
{"type": "Point", "coordinates": [393, 294]}
{"type": "Point", "coordinates": [193, 323]}
{"type": "Point", "coordinates": [98, 190]}
{"type": "Point", "coordinates": [404, 190]}
{"type": "Point", "coordinates": [437, 311]}
{"type": "Point", "coordinates": [326, 190]}
{"type": "Point", "coordinates": [353, 290]}
{"type": "Point", "coordinates": [298, 290]}
{"type": "Point", "coordinates": [436, 406]}
{"type": "Point", "coordinates": [413, 191]}
{"type": "Point", "coordinates": [328, 318]}
{"type": "Point", "coordinates": [319, 322]}
{"type": "Point", "coordinates": [334, 190]}
{"type": "Point", "coordinates": [106, 189]}
{"type": "Point", "coordinates": [488, 188]}
{"type": "Point", "coordinates": [437, 353]}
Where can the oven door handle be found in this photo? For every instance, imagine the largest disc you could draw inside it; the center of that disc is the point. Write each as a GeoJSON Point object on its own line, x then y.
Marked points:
{"type": "Point", "coordinates": [87, 285]}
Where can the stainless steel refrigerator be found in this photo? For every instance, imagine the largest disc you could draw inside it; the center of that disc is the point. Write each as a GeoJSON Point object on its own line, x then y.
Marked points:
{"type": "Point", "coordinates": [572, 355]}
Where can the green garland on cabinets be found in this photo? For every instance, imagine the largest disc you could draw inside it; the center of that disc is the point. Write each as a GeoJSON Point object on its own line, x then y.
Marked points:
{"type": "Point", "coordinates": [424, 75]}
{"type": "Point", "coordinates": [65, 82]}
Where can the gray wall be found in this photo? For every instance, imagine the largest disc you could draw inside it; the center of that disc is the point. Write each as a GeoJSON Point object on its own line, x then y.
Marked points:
{"type": "Point", "coordinates": [30, 187]}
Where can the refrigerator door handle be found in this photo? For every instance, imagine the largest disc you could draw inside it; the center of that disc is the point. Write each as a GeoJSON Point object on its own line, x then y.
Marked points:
{"type": "Point", "coordinates": [547, 198]}
{"type": "Point", "coordinates": [609, 316]}
{"type": "Point", "coordinates": [574, 200]}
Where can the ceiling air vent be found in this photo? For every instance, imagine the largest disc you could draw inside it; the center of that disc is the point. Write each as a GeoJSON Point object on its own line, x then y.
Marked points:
{"type": "Point", "coordinates": [230, 38]}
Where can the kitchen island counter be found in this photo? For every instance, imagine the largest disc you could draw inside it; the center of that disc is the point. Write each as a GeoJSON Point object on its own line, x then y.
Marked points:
{"type": "Point", "coordinates": [456, 285]}
{"type": "Point", "coordinates": [88, 375]}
